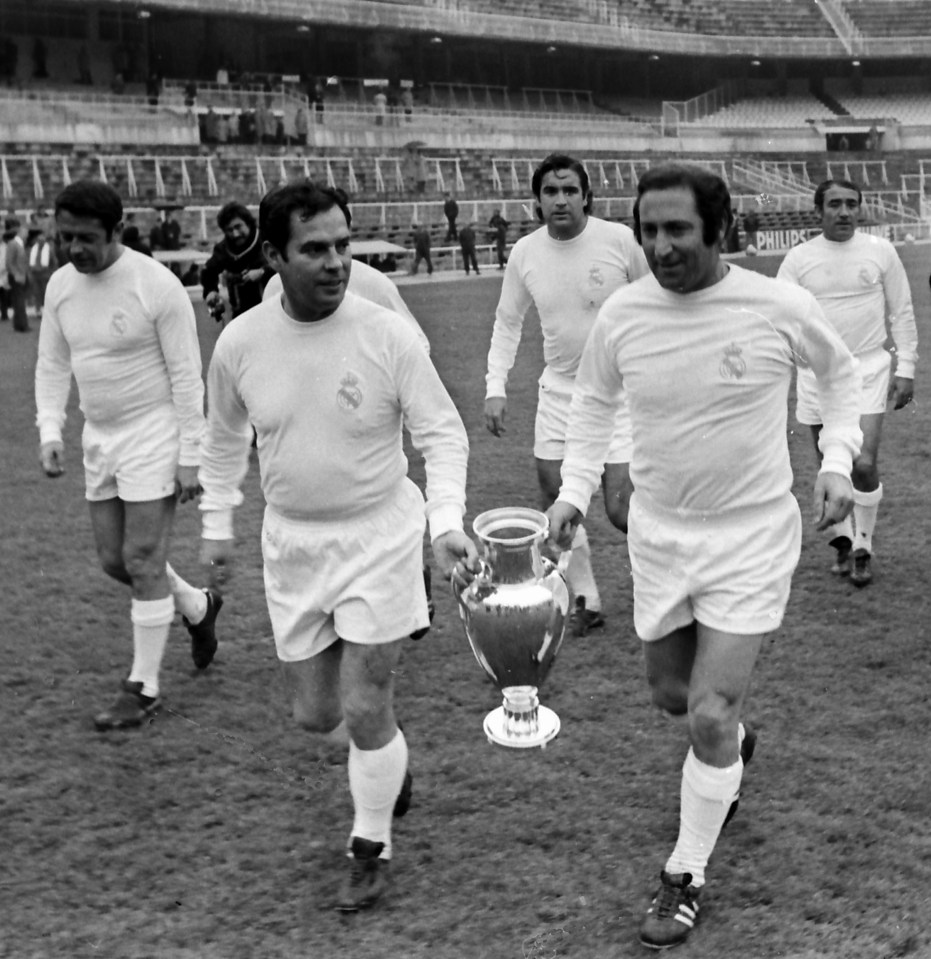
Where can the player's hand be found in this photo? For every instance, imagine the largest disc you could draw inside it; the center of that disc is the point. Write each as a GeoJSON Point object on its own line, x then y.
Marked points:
{"type": "Point", "coordinates": [216, 556]}
{"type": "Point", "coordinates": [186, 485]}
{"type": "Point", "coordinates": [902, 392]}
{"type": "Point", "coordinates": [456, 555]}
{"type": "Point", "coordinates": [564, 520]}
{"type": "Point", "coordinates": [495, 409]}
{"type": "Point", "coordinates": [833, 499]}
{"type": "Point", "coordinates": [51, 456]}
{"type": "Point", "coordinates": [212, 299]}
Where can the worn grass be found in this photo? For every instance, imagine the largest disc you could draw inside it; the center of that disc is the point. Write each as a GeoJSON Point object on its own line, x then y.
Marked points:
{"type": "Point", "coordinates": [217, 832]}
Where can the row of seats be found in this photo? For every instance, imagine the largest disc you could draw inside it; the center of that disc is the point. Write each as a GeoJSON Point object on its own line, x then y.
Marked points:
{"type": "Point", "coordinates": [890, 18]}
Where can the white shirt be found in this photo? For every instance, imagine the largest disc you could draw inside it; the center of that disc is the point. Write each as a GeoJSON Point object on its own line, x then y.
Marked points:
{"type": "Point", "coordinates": [372, 284]}
{"type": "Point", "coordinates": [860, 283]}
{"type": "Point", "coordinates": [707, 376]}
{"type": "Point", "coordinates": [567, 281]}
{"type": "Point", "coordinates": [129, 336]}
{"type": "Point", "coordinates": [327, 400]}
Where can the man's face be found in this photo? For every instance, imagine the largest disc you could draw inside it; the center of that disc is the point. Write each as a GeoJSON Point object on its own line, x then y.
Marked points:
{"type": "Point", "coordinates": [85, 238]}
{"type": "Point", "coordinates": [315, 273]}
{"type": "Point", "coordinates": [237, 233]}
{"type": "Point", "coordinates": [671, 235]}
{"type": "Point", "coordinates": [561, 203]}
{"type": "Point", "coordinates": [839, 214]}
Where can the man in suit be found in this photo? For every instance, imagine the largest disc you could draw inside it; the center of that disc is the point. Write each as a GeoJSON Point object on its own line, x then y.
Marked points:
{"type": "Point", "coordinates": [18, 269]}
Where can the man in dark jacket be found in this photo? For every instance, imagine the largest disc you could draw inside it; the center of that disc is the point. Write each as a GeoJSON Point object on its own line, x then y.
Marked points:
{"type": "Point", "coordinates": [239, 260]}
{"type": "Point", "coordinates": [451, 211]}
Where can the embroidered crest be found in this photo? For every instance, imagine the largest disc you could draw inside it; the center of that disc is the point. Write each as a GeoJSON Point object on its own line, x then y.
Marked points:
{"type": "Point", "coordinates": [866, 278]}
{"type": "Point", "coordinates": [595, 276]}
{"type": "Point", "coordinates": [118, 324]}
{"type": "Point", "coordinates": [349, 395]}
{"type": "Point", "coordinates": [733, 366]}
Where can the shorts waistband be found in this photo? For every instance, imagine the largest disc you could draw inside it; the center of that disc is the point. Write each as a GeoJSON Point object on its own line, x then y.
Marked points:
{"type": "Point", "coordinates": [726, 517]}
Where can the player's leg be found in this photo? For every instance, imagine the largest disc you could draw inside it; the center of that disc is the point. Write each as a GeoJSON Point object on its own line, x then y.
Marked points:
{"type": "Point", "coordinates": [580, 575]}
{"type": "Point", "coordinates": [867, 494]}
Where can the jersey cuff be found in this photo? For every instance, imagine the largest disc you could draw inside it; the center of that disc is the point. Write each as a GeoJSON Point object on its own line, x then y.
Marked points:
{"type": "Point", "coordinates": [444, 519]}
{"type": "Point", "coordinates": [217, 524]}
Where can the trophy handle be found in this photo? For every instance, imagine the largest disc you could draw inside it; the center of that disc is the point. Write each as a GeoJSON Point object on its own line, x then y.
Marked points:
{"type": "Point", "coordinates": [561, 565]}
{"type": "Point", "coordinates": [482, 578]}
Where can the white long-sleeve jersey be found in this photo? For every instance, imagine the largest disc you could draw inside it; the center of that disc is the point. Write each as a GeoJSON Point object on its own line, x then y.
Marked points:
{"type": "Point", "coordinates": [707, 376]}
{"type": "Point", "coordinates": [567, 281]}
{"type": "Point", "coordinates": [129, 336]}
{"type": "Point", "coordinates": [328, 400]}
{"type": "Point", "coordinates": [860, 284]}
{"type": "Point", "coordinates": [370, 284]}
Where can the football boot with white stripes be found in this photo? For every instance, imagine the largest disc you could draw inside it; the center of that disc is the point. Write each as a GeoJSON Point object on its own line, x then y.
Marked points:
{"type": "Point", "coordinates": [672, 914]}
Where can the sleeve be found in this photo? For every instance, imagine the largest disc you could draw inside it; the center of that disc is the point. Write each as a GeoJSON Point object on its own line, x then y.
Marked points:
{"type": "Point", "coordinates": [595, 398]}
{"type": "Point", "coordinates": [838, 381]}
{"type": "Point", "coordinates": [901, 315]}
{"type": "Point", "coordinates": [210, 274]}
{"type": "Point", "coordinates": [788, 269]}
{"type": "Point", "coordinates": [396, 302]}
{"type": "Point", "coordinates": [437, 432]}
{"type": "Point", "coordinates": [177, 332]}
{"type": "Point", "coordinates": [53, 375]}
{"type": "Point", "coordinates": [513, 304]}
{"type": "Point", "coordinates": [225, 450]}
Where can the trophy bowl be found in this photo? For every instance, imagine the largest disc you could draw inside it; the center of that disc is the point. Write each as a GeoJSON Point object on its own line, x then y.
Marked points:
{"type": "Point", "coordinates": [515, 614]}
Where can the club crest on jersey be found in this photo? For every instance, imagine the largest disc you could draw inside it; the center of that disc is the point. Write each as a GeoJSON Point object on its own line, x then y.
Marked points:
{"type": "Point", "coordinates": [118, 324]}
{"type": "Point", "coordinates": [595, 276]}
{"type": "Point", "coordinates": [733, 366]}
{"type": "Point", "coordinates": [349, 395]}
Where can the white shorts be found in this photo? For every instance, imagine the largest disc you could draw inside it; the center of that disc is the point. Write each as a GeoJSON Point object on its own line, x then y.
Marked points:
{"type": "Point", "coordinates": [553, 420]}
{"type": "Point", "coordinates": [137, 461]}
{"type": "Point", "coordinates": [359, 579]}
{"type": "Point", "coordinates": [874, 388]}
{"type": "Point", "coordinates": [729, 573]}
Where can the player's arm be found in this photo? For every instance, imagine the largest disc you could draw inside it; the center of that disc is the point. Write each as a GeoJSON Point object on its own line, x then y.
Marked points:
{"type": "Point", "coordinates": [513, 304]}
{"type": "Point", "coordinates": [224, 459]}
{"type": "Point", "coordinates": [900, 313]}
{"type": "Point", "coordinates": [52, 386]}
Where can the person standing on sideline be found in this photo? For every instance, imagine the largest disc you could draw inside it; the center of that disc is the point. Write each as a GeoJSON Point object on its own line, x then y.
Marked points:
{"type": "Point", "coordinates": [422, 249]}
{"type": "Point", "coordinates": [43, 262]}
{"type": "Point", "coordinates": [123, 325]}
{"type": "Point", "coordinates": [861, 284]}
{"type": "Point", "coordinates": [706, 353]}
{"type": "Point", "coordinates": [451, 211]}
{"type": "Point", "coordinates": [328, 379]}
{"type": "Point", "coordinates": [4, 284]}
{"type": "Point", "coordinates": [500, 226]}
{"type": "Point", "coordinates": [17, 268]}
{"type": "Point", "coordinates": [567, 269]}
{"type": "Point", "coordinates": [467, 245]}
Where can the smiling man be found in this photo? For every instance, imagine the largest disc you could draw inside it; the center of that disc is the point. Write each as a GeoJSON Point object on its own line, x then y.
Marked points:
{"type": "Point", "coordinates": [328, 379]}
{"type": "Point", "coordinates": [861, 284]}
{"type": "Point", "coordinates": [566, 269]}
{"type": "Point", "coordinates": [124, 326]}
{"type": "Point", "coordinates": [706, 353]}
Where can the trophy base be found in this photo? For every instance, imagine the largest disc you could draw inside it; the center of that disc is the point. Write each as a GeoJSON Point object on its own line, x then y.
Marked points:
{"type": "Point", "coordinates": [496, 729]}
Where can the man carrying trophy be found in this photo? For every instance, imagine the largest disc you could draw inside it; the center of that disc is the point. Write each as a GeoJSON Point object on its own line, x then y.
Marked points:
{"type": "Point", "coordinates": [566, 270]}
{"type": "Point", "coordinates": [327, 378]}
{"type": "Point", "coordinates": [706, 353]}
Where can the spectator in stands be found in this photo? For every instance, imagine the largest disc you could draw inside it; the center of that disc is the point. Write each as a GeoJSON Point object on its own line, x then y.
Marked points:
{"type": "Point", "coordinates": [153, 89]}
{"type": "Point", "coordinates": [157, 236]}
{"type": "Point", "coordinates": [751, 226]}
{"type": "Point", "coordinates": [422, 249]}
{"type": "Point", "coordinates": [407, 103]}
{"type": "Point", "coordinates": [238, 260]}
{"type": "Point", "coordinates": [499, 227]}
{"type": "Point", "coordinates": [566, 270]}
{"type": "Point", "coordinates": [300, 126]}
{"type": "Point", "coordinates": [118, 84]}
{"type": "Point", "coordinates": [171, 231]}
{"type": "Point", "coordinates": [132, 237]}
{"type": "Point", "coordinates": [4, 283]}
{"type": "Point", "coordinates": [467, 245]}
{"type": "Point", "coordinates": [17, 267]}
{"type": "Point", "coordinates": [43, 262]}
{"type": "Point", "coordinates": [190, 93]}
{"type": "Point", "coordinates": [451, 212]}
{"type": "Point", "coordinates": [211, 125]}
{"type": "Point", "coordinates": [861, 285]}
{"type": "Point", "coordinates": [318, 99]}
{"type": "Point", "coordinates": [124, 328]}
{"type": "Point", "coordinates": [224, 134]}
{"type": "Point", "coordinates": [380, 101]}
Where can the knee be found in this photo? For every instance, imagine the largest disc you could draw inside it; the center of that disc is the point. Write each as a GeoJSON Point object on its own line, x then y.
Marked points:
{"type": "Point", "coordinates": [315, 717]}
{"type": "Point", "coordinates": [366, 713]}
{"type": "Point", "coordinates": [712, 721]}
{"type": "Point", "coordinates": [670, 696]}
{"type": "Point", "coordinates": [865, 473]}
{"type": "Point", "coordinates": [112, 564]}
{"type": "Point", "coordinates": [617, 513]}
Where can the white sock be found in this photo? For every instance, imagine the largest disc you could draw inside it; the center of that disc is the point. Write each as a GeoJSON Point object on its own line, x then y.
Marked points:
{"type": "Point", "coordinates": [580, 574]}
{"type": "Point", "coordinates": [190, 601]}
{"type": "Point", "coordinates": [865, 508]}
{"type": "Point", "coordinates": [707, 793]}
{"type": "Point", "coordinates": [375, 779]}
{"type": "Point", "coordinates": [843, 528]}
{"type": "Point", "coordinates": [151, 621]}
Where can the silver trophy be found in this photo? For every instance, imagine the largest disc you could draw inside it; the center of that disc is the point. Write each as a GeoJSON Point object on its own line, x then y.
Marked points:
{"type": "Point", "coordinates": [515, 613]}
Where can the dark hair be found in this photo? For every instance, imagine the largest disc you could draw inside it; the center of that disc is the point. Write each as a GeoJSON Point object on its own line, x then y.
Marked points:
{"type": "Point", "coordinates": [235, 211]}
{"type": "Point", "coordinates": [843, 184]}
{"type": "Point", "coordinates": [303, 197]}
{"type": "Point", "coordinates": [92, 199]}
{"type": "Point", "coordinates": [561, 161]}
{"type": "Point", "coordinates": [712, 198]}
